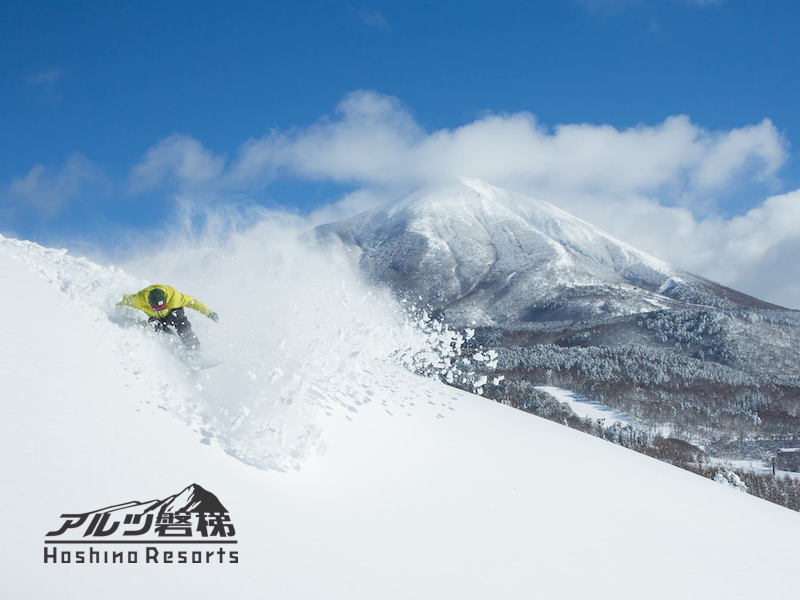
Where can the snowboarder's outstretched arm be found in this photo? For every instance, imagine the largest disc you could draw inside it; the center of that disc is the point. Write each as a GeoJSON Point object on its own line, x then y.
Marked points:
{"type": "Point", "coordinates": [173, 299]}
{"type": "Point", "coordinates": [190, 302]}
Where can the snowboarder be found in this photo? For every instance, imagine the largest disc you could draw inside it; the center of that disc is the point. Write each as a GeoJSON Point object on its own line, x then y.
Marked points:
{"type": "Point", "coordinates": [164, 305]}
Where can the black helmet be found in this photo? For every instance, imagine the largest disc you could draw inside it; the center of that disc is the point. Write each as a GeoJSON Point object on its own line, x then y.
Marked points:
{"type": "Point", "coordinates": [157, 299]}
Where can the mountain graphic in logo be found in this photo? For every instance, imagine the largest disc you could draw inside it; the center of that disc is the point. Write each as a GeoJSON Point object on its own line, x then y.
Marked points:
{"type": "Point", "coordinates": [191, 499]}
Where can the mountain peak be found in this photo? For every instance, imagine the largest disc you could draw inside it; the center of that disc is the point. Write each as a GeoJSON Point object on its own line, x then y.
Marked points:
{"type": "Point", "coordinates": [488, 255]}
{"type": "Point", "coordinates": [487, 252]}
{"type": "Point", "coordinates": [487, 206]}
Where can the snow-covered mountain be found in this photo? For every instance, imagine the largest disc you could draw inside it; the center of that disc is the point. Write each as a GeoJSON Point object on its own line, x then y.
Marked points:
{"type": "Point", "coordinates": [564, 303]}
{"type": "Point", "coordinates": [414, 489]}
{"type": "Point", "coordinates": [489, 256]}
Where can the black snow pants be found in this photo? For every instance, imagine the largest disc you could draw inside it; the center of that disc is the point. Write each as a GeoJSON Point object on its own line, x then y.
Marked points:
{"type": "Point", "coordinates": [177, 319]}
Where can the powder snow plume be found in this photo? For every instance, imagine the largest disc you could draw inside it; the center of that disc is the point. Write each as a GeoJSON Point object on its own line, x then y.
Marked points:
{"type": "Point", "coordinates": [301, 336]}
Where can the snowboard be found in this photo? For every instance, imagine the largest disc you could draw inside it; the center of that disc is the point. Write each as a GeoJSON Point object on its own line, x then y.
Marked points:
{"type": "Point", "coordinates": [197, 361]}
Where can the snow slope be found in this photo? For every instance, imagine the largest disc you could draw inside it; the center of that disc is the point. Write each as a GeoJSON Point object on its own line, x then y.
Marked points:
{"type": "Point", "coordinates": [588, 409]}
{"type": "Point", "coordinates": [412, 488]}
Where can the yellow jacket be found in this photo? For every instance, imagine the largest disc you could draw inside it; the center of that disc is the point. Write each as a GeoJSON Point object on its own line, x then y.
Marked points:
{"type": "Point", "coordinates": [174, 300]}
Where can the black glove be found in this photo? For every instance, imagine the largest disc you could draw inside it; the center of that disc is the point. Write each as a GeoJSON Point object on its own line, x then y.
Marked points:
{"type": "Point", "coordinates": [214, 317]}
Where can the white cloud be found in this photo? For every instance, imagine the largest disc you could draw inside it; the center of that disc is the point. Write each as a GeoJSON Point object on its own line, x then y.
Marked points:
{"type": "Point", "coordinates": [651, 185]}
{"type": "Point", "coordinates": [757, 253]}
{"type": "Point", "coordinates": [350, 204]}
{"type": "Point", "coordinates": [374, 140]}
{"type": "Point", "coordinates": [373, 18]}
{"type": "Point", "coordinates": [730, 152]}
{"type": "Point", "coordinates": [46, 78]}
{"type": "Point", "coordinates": [46, 84]}
{"type": "Point", "coordinates": [46, 191]}
{"type": "Point", "coordinates": [764, 246]}
{"type": "Point", "coordinates": [367, 140]}
{"type": "Point", "coordinates": [598, 5]}
{"type": "Point", "coordinates": [177, 160]}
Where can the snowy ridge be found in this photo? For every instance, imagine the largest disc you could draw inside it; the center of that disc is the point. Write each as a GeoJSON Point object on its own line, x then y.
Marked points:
{"type": "Point", "coordinates": [78, 278]}
{"type": "Point", "coordinates": [421, 491]}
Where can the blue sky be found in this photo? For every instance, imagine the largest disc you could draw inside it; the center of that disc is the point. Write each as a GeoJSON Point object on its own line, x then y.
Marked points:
{"type": "Point", "coordinates": [90, 88]}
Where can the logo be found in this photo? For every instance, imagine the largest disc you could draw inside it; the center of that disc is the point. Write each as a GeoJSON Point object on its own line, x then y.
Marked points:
{"type": "Point", "coordinates": [190, 527]}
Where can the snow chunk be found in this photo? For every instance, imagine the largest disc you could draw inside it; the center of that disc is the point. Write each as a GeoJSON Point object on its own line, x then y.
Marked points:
{"type": "Point", "coordinates": [730, 479]}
